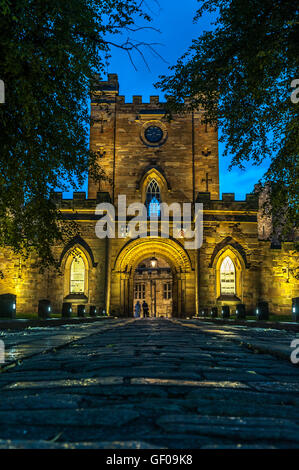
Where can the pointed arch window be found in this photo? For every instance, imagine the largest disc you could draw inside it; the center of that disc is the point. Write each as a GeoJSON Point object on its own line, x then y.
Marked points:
{"type": "Point", "coordinates": [153, 199]}
{"type": "Point", "coordinates": [77, 275]}
{"type": "Point", "coordinates": [227, 277]}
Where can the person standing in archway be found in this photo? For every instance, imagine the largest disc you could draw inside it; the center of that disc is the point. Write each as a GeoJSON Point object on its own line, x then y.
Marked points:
{"type": "Point", "coordinates": [145, 309]}
{"type": "Point", "coordinates": [137, 309]}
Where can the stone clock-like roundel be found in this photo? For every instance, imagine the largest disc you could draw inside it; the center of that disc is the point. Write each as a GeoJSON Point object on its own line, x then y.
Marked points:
{"type": "Point", "coordinates": [153, 133]}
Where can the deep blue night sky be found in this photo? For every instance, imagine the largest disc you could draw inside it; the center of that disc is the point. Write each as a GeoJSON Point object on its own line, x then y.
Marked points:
{"type": "Point", "coordinates": [174, 19]}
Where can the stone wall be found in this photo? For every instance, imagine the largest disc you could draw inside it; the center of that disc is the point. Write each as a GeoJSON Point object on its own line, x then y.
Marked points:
{"type": "Point", "coordinates": [59, 287]}
{"type": "Point", "coordinates": [229, 226]}
{"type": "Point", "coordinates": [269, 274]}
{"type": "Point", "coordinates": [279, 276]}
{"type": "Point", "coordinates": [23, 278]}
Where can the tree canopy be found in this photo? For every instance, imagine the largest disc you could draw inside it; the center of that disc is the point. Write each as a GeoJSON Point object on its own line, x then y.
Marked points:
{"type": "Point", "coordinates": [50, 51]}
{"type": "Point", "coordinates": [240, 73]}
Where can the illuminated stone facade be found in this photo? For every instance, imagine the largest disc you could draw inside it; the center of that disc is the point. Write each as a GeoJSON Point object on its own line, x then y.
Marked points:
{"type": "Point", "coordinates": [135, 147]}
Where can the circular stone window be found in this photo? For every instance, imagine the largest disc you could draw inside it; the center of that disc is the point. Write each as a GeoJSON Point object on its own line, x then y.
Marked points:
{"type": "Point", "coordinates": [153, 133]}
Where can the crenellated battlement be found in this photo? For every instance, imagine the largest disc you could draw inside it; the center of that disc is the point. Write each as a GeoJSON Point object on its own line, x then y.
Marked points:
{"type": "Point", "coordinates": [79, 201]}
{"type": "Point", "coordinates": [228, 201]}
{"type": "Point", "coordinates": [107, 91]}
{"type": "Point", "coordinates": [248, 207]}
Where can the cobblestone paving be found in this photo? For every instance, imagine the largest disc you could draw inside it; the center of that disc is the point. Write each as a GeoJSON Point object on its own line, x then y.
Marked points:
{"type": "Point", "coordinates": [268, 340]}
{"type": "Point", "coordinates": [149, 384]}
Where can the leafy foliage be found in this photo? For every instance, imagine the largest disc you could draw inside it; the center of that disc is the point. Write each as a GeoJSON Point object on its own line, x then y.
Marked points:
{"type": "Point", "coordinates": [240, 73]}
{"type": "Point", "coordinates": [50, 51]}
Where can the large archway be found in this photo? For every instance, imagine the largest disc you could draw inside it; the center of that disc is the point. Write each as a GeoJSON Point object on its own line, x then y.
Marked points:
{"type": "Point", "coordinates": [153, 287]}
{"type": "Point", "coordinates": [133, 254]}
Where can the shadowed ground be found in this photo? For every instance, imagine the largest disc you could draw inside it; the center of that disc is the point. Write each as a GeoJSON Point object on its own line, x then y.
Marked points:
{"type": "Point", "coordinates": [148, 383]}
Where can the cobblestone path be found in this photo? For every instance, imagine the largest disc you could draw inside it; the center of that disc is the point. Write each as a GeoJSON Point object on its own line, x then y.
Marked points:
{"type": "Point", "coordinates": [148, 384]}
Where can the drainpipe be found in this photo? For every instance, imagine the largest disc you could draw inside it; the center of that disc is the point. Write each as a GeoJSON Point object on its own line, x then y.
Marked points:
{"type": "Point", "coordinates": [193, 160]}
{"type": "Point", "coordinates": [114, 155]}
{"type": "Point", "coordinates": [107, 277]}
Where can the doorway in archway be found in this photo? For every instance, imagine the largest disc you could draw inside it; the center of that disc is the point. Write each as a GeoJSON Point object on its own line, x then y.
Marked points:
{"type": "Point", "coordinates": [153, 285]}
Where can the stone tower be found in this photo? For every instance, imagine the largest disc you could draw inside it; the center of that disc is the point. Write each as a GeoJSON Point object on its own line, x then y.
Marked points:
{"type": "Point", "coordinates": [132, 138]}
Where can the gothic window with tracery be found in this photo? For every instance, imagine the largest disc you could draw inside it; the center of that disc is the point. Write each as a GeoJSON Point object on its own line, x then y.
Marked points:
{"type": "Point", "coordinates": [77, 275]}
{"type": "Point", "coordinates": [153, 199]}
{"type": "Point", "coordinates": [227, 277]}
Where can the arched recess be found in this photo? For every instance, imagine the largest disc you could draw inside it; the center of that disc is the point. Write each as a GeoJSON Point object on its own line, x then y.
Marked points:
{"type": "Point", "coordinates": [239, 267]}
{"type": "Point", "coordinates": [147, 177]}
{"type": "Point", "coordinates": [78, 241]}
{"type": "Point", "coordinates": [132, 254]}
{"type": "Point", "coordinates": [229, 242]}
{"type": "Point", "coordinates": [76, 250]}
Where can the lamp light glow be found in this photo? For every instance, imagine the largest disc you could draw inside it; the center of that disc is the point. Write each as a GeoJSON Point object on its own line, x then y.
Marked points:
{"type": "Point", "coordinates": [154, 262]}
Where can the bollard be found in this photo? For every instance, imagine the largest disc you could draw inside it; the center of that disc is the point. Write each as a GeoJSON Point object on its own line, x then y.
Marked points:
{"type": "Point", "coordinates": [66, 311]}
{"type": "Point", "coordinates": [81, 310]}
{"type": "Point", "coordinates": [262, 311]}
{"type": "Point", "coordinates": [241, 312]}
{"type": "Point", "coordinates": [204, 312]}
{"type": "Point", "coordinates": [225, 311]}
{"type": "Point", "coordinates": [214, 312]}
{"type": "Point", "coordinates": [44, 309]}
{"type": "Point", "coordinates": [295, 309]}
{"type": "Point", "coordinates": [93, 311]}
{"type": "Point", "coordinates": [8, 305]}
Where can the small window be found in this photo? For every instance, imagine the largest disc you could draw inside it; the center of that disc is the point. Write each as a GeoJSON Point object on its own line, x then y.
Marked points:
{"type": "Point", "coordinates": [228, 277]}
{"type": "Point", "coordinates": [139, 291]}
{"type": "Point", "coordinates": [77, 276]}
{"type": "Point", "coordinates": [167, 291]}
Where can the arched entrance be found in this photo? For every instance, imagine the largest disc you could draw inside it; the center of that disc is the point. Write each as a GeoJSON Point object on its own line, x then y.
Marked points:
{"type": "Point", "coordinates": [153, 285]}
{"type": "Point", "coordinates": [132, 255]}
